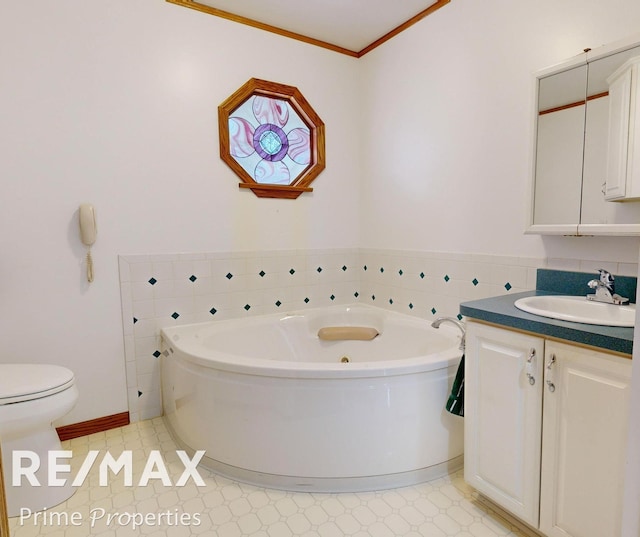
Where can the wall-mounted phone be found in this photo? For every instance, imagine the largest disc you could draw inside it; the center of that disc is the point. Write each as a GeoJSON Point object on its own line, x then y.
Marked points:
{"type": "Point", "coordinates": [88, 228]}
{"type": "Point", "coordinates": [88, 232]}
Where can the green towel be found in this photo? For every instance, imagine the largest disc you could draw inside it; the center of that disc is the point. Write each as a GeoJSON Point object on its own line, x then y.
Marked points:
{"type": "Point", "coordinates": [455, 403]}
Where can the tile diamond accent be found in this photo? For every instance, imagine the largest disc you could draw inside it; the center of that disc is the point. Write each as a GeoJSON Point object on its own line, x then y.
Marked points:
{"type": "Point", "coordinates": [153, 281]}
{"type": "Point", "coordinates": [175, 315]}
{"type": "Point", "coordinates": [193, 278]}
{"type": "Point", "coordinates": [262, 273]}
{"type": "Point", "coordinates": [319, 269]}
{"type": "Point", "coordinates": [292, 272]}
{"type": "Point", "coordinates": [247, 307]}
{"type": "Point", "coordinates": [422, 275]}
{"type": "Point", "coordinates": [157, 354]}
{"type": "Point", "coordinates": [475, 281]}
{"type": "Point", "coordinates": [446, 278]}
{"type": "Point", "coordinates": [507, 286]}
{"type": "Point", "coordinates": [229, 275]}
{"type": "Point", "coordinates": [213, 311]}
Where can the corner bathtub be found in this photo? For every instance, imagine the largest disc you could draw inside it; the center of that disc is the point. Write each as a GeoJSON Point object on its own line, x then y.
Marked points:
{"type": "Point", "coordinates": [274, 405]}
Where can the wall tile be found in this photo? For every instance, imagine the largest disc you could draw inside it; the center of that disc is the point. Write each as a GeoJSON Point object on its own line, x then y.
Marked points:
{"type": "Point", "coordinates": [144, 328]}
{"type": "Point", "coordinates": [627, 269]}
{"type": "Point", "coordinates": [422, 284]}
{"type": "Point", "coordinates": [140, 270]}
{"type": "Point", "coordinates": [141, 290]}
{"type": "Point", "coordinates": [563, 264]}
{"type": "Point", "coordinates": [587, 265]}
{"type": "Point", "coordinates": [124, 270]}
{"type": "Point", "coordinates": [142, 309]}
{"type": "Point", "coordinates": [162, 270]}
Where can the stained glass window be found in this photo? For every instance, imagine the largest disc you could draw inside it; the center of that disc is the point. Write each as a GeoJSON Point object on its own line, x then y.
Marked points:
{"type": "Point", "coordinates": [272, 139]}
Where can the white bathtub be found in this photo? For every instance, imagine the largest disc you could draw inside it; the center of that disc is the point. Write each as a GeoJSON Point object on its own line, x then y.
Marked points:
{"type": "Point", "coordinates": [273, 405]}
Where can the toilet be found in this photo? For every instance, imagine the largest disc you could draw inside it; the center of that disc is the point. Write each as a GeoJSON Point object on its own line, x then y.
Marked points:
{"type": "Point", "coordinates": [32, 396]}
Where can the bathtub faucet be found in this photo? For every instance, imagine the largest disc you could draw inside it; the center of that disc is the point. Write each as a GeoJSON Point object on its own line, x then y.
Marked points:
{"type": "Point", "coordinates": [440, 320]}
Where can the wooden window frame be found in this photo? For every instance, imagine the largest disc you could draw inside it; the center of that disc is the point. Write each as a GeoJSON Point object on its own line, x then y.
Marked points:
{"type": "Point", "coordinates": [297, 101]}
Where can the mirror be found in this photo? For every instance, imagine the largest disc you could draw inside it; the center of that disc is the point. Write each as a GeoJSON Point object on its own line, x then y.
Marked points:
{"type": "Point", "coordinates": [559, 149]}
{"type": "Point", "coordinates": [570, 153]}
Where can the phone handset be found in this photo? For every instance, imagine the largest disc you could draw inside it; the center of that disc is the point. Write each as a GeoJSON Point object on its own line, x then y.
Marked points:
{"type": "Point", "coordinates": [88, 232]}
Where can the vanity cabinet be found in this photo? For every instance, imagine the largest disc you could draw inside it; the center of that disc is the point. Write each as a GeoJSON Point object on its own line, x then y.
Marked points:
{"type": "Point", "coordinates": [545, 430]}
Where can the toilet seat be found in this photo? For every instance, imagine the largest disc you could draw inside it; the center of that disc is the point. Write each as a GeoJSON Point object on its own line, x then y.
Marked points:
{"type": "Point", "coordinates": [26, 382]}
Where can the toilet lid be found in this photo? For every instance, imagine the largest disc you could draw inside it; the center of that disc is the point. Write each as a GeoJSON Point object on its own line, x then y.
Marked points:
{"type": "Point", "coordinates": [24, 382]}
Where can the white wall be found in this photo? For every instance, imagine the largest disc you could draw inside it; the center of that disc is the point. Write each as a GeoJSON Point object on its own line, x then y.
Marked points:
{"type": "Point", "coordinates": [450, 102]}
{"type": "Point", "coordinates": [115, 103]}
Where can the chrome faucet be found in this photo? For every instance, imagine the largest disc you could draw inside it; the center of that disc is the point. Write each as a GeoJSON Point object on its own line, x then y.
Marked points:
{"type": "Point", "coordinates": [440, 320]}
{"type": "Point", "coordinates": [605, 289]}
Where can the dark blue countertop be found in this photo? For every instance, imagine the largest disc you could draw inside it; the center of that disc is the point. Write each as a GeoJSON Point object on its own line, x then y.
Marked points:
{"type": "Point", "coordinates": [500, 310]}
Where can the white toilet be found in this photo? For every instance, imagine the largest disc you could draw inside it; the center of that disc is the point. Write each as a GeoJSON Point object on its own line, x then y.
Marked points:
{"type": "Point", "coordinates": [32, 396]}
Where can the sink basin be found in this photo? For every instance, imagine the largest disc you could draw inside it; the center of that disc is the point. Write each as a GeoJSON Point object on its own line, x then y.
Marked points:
{"type": "Point", "coordinates": [578, 309]}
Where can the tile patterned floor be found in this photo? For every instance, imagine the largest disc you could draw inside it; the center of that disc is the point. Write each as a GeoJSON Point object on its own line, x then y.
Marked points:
{"type": "Point", "coordinates": [224, 508]}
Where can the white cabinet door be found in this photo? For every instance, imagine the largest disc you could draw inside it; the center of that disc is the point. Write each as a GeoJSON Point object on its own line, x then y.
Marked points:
{"type": "Point", "coordinates": [599, 216]}
{"type": "Point", "coordinates": [619, 101]}
{"type": "Point", "coordinates": [586, 402]}
{"type": "Point", "coordinates": [503, 411]}
{"type": "Point", "coordinates": [623, 168]}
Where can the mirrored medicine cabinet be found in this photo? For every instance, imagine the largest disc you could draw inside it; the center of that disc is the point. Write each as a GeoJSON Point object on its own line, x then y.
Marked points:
{"type": "Point", "coordinates": [583, 144]}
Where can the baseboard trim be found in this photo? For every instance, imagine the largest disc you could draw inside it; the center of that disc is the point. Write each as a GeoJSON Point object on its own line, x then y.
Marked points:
{"type": "Point", "coordinates": [97, 425]}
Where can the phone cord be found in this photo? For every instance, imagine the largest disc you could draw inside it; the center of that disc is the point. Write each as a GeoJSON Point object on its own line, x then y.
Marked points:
{"type": "Point", "coordinates": [89, 266]}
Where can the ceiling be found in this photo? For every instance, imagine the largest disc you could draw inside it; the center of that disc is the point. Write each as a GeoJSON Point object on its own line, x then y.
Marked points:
{"type": "Point", "coordinates": [352, 27]}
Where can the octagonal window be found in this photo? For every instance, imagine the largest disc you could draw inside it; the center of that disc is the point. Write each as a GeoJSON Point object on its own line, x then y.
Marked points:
{"type": "Point", "coordinates": [272, 139]}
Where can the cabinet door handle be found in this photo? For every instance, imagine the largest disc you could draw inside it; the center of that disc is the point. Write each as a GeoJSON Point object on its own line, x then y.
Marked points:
{"type": "Point", "coordinates": [550, 384]}
{"type": "Point", "coordinates": [529, 366]}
